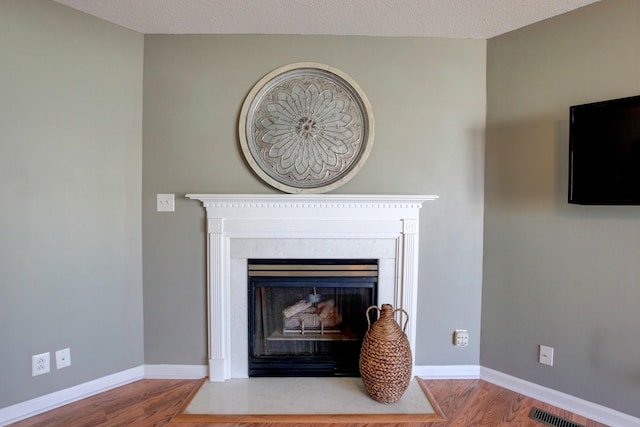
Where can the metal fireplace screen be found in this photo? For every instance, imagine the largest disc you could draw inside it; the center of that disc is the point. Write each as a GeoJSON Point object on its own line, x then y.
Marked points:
{"type": "Point", "coordinates": [307, 317]}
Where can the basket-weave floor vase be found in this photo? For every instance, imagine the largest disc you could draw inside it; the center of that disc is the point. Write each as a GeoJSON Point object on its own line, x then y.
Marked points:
{"type": "Point", "coordinates": [385, 358]}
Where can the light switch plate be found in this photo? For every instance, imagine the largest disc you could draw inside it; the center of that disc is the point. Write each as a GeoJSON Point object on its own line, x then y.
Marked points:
{"type": "Point", "coordinates": [166, 203]}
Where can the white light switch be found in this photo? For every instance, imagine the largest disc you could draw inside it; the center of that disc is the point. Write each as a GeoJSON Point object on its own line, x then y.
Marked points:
{"type": "Point", "coordinates": [166, 203]}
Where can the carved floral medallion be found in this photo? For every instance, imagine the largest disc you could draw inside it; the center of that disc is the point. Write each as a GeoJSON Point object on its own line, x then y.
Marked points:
{"type": "Point", "coordinates": [306, 128]}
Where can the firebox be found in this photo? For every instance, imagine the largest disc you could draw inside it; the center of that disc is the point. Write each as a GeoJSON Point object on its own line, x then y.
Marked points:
{"type": "Point", "coordinates": [307, 317]}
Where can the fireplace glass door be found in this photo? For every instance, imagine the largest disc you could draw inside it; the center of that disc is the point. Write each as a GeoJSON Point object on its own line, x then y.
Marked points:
{"type": "Point", "coordinates": [307, 317]}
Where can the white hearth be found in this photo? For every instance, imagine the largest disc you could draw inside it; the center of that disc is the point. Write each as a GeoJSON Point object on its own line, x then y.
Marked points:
{"type": "Point", "coordinates": [240, 227]}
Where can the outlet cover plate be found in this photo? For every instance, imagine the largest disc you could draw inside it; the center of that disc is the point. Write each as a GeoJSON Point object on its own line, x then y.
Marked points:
{"type": "Point", "coordinates": [63, 358]}
{"type": "Point", "coordinates": [460, 338]}
{"type": "Point", "coordinates": [545, 356]}
{"type": "Point", "coordinates": [40, 364]}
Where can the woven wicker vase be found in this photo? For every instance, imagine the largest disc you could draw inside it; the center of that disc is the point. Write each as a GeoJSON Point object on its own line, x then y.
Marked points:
{"type": "Point", "coordinates": [385, 359]}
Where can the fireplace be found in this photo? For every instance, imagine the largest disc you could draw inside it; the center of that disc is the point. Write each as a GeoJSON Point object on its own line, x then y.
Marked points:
{"type": "Point", "coordinates": [240, 228]}
{"type": "Point", "coordinates": [307, 316]}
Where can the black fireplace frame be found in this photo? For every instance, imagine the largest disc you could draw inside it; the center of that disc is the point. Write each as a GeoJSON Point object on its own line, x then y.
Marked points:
{"type": "Point", "coordinates": [307, 366]}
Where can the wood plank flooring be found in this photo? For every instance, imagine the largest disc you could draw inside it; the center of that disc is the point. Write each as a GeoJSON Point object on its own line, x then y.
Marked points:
{"type": "Point", "coordinates": [147, 403]}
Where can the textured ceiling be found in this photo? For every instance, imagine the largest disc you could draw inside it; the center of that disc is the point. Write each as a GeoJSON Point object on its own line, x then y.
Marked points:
{"type": "Point", "coordinates": [480, 19]}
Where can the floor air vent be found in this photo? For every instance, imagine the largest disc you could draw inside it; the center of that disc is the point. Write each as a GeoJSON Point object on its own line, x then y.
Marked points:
{"type": "Point", "coordinates": [551, 420]}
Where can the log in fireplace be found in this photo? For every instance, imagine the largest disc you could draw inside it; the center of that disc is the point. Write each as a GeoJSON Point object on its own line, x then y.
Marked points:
{"type": "Point", "coordinates": [307, 316]}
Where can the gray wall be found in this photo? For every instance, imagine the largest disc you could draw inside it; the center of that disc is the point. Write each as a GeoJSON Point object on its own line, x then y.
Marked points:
{"type": "Point", "coordinates": [70, 183]}
{"type": "Point", "coordinates": [556, 274]}
{"type": "Point", "coordinates": [428, 98]}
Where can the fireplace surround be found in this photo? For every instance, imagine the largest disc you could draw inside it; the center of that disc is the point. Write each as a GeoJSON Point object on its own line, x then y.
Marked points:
{"type": "Point", "coordinates": [241, 227]}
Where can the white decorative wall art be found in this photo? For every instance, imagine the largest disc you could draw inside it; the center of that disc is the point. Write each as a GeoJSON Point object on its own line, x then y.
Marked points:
{"type": "Point", "coordinates": [306, 128]}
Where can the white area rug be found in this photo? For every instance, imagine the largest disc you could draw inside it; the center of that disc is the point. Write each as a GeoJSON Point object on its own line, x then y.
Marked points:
{"type": "Point", "coordinates": [305, 400]}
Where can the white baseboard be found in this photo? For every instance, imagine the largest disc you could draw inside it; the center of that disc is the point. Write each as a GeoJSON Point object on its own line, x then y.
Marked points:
{"type": "Point", "coordinates": [29, 408]}
{"type": "Point", "coordinates": [593, 411]}
{"type": "Point", "coordinates": [176, 372]}
{"type": "Point", "coordinates": [436, 372]}
{"type": "Point", "coordinates": [54, 400]}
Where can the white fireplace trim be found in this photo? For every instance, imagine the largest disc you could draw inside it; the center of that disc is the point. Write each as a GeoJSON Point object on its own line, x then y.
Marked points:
{"type": "Point", "coordinates": [323, 218]}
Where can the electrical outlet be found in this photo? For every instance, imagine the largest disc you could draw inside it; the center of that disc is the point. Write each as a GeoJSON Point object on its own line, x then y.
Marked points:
{"type": "Point", "coordinates": [460, 338]}
{"type": "Point", "coordinates": [545, 355]}
{"type": "Point", "coordinates": [40, 364]}
{"type": "Point", "coordinates": [63, 358]}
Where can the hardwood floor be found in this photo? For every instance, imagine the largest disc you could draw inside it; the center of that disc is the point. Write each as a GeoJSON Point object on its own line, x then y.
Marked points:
{"type": "Point", "coordinates": [147, 403]}
{"type": "Point", "coordinates": [479, 403]}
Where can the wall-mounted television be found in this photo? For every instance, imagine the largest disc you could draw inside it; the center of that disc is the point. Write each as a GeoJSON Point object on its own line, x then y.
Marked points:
{"type": "Point", "coordinates": [604, 152]}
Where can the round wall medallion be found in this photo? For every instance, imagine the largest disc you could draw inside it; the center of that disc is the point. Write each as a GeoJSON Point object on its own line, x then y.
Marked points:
{"type": "Point", "coordinates": [306, 128]}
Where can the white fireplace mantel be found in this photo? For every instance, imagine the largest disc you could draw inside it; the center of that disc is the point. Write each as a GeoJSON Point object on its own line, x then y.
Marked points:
{"type": "Point", "coordinates": [306, 226]}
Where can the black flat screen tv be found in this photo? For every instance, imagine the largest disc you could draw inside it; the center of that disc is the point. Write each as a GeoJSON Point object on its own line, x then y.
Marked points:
{"type": "Point", "coordinates": [604, 152]}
